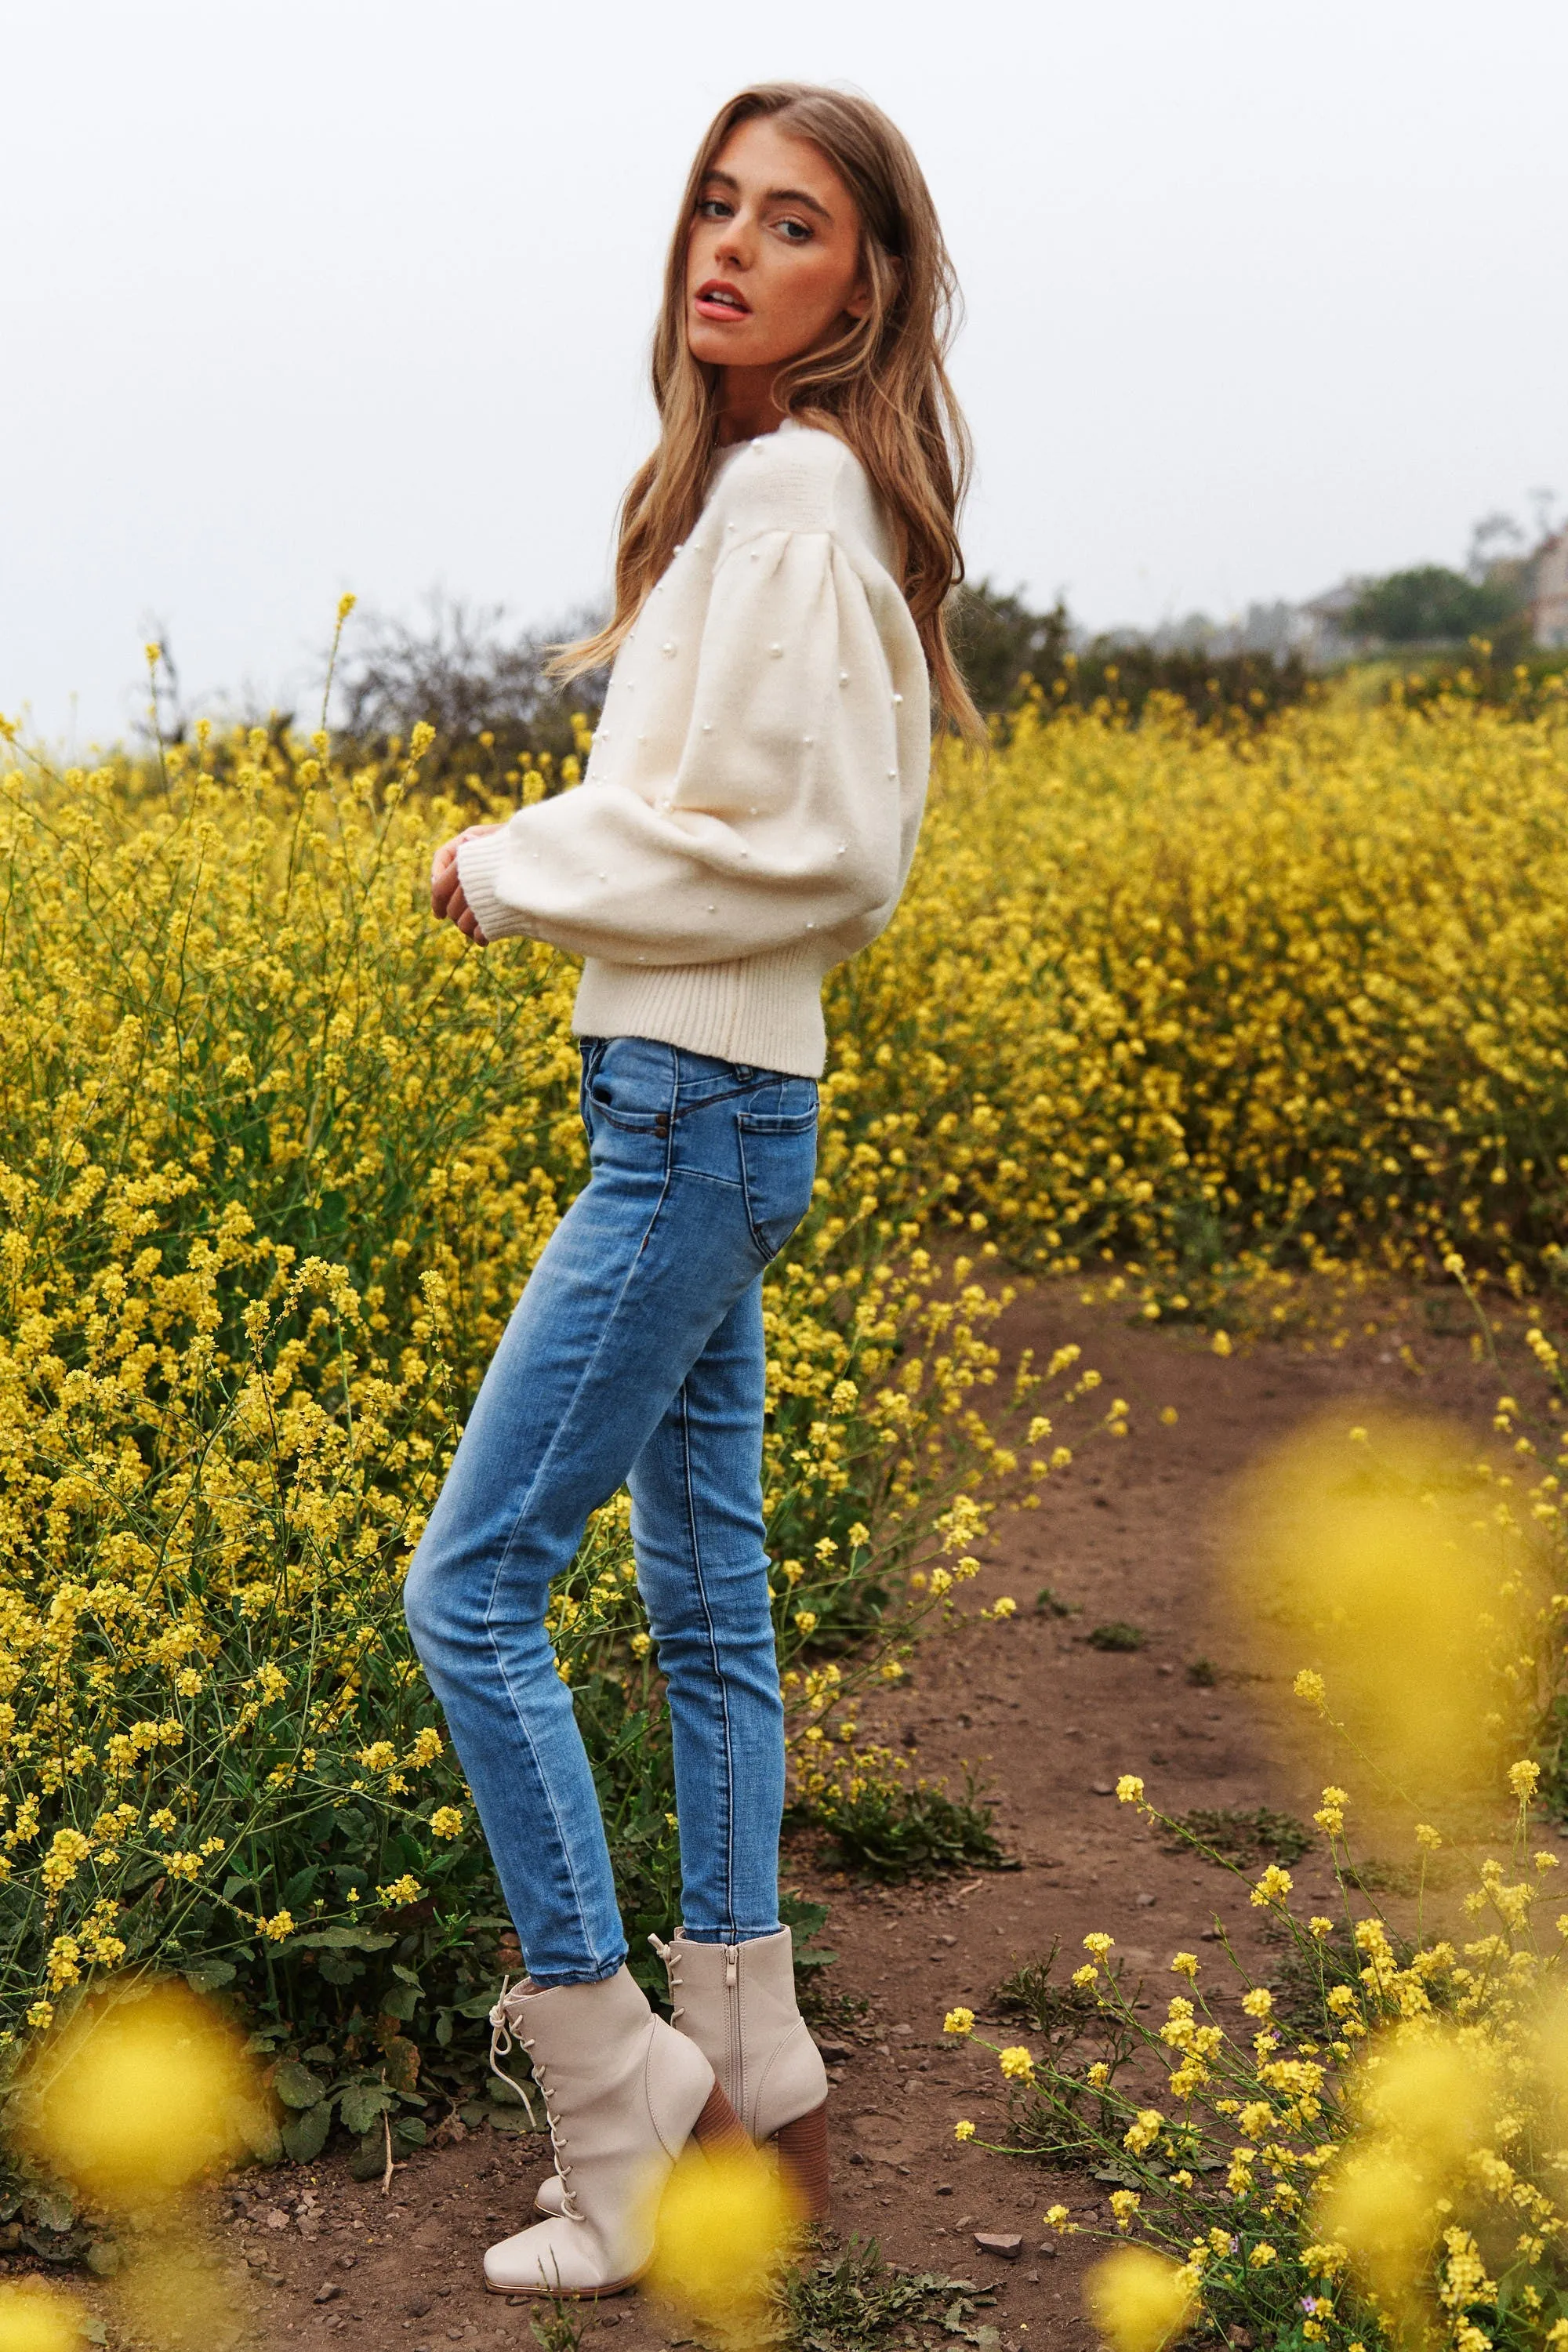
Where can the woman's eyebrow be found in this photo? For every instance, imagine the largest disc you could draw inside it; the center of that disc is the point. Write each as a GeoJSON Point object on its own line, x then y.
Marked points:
{"type": "Point", "coordinates": [775, 195]}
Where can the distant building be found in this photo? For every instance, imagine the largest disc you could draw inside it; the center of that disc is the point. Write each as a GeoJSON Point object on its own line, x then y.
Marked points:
{"type": "Point", "coordinates": [1549, 591]}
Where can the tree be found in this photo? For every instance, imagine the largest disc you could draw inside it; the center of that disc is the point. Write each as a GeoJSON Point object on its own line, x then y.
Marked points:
{"type": "Point", "coordinates": [463, 672]}
{"type": "Point", "coordinates": [1429, 605]}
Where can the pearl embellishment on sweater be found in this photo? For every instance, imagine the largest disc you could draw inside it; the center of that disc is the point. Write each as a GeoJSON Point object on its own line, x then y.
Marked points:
{"type": "Point", "coordinates": [769, 1016]}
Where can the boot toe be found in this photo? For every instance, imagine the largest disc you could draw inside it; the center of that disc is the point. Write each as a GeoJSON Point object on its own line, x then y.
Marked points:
{"type": "Point", "coordinates": [558, 2257]}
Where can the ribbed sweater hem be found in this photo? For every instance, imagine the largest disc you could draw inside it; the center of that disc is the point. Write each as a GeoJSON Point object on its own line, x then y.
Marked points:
{"type": "Point", "coordinates": [764, 1010]}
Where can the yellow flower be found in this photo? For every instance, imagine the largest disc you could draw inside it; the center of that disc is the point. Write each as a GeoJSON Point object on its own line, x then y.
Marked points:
{"type": "Point", "coordinates": [447, 1822]}
{"type": "Point", "coordinates": [1057, 2217]}
{"type": "Point", "coordinates": [1522, 1779]}
{"type": "Point", "coordinates": [1185, 1964]}
{"type": "Point", "coordinates": [1259, 2002]}
{"type": "Point", "coordinates": [1311, 1687]}
{"type": "Point", "coordinates": [1427, 1837]}
{"type": "Point", "coordinates": [963, 2131]}
{"type": "Point", "coordinates": [1099, 1943]}
{"type": "Point", "coordinates": [1017, 2063]}
{"type": "Point", "coordinates": [1273, 1886]}
{"type": "Point", "coordinates": [1124, 2204]}
{"type": "Point", "coordinates": [403, 1890]}
{"type": "Point", "coordinates": [1331, 1815]}
{"type": "Point", "coordinates": [1098, 2075]}
{"type": "Point", "coordinates": [279, 1928]}
{"type": "Point", "coordinates": [1129, 1790]}
{"type": "Point", "coordinates": [1138, 2299]}
{"type": "Point", "coordinates": [1088, 1974]}
{"type": "Point", "coordinates": [959, 2020]}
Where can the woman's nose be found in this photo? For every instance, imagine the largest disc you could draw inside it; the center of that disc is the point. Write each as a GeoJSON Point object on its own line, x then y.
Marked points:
{"type": "Point", "coordinates": [733, 247]}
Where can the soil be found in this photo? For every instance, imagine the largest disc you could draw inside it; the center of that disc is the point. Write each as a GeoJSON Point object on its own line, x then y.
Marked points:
{"type": "Point", "coordinates": [1049, 1721]}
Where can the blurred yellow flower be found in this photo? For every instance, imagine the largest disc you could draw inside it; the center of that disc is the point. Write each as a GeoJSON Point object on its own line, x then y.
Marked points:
{"type": "Point", "coordinates": [724, 2224]}
{"type": "Point", "coordinates": [38, 2318]}
{"type": "Point", "coordinates": [145, 2089]}
{"type": "Point", "coordinates": [1137, 2300]}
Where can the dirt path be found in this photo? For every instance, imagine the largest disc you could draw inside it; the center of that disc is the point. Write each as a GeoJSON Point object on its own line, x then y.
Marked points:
{"type": "Point", "coordinates": [1051, 1721]}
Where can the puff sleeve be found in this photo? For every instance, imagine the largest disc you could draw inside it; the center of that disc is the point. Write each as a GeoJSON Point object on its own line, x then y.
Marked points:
{"type": "Point", "coordinates": [744, 790]}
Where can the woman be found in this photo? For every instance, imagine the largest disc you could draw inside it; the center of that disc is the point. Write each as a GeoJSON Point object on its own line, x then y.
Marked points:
{"type": "Point", "coordinates": [746, 822]}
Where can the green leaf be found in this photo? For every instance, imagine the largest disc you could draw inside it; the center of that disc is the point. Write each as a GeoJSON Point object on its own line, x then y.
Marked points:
{"type": "Point", "coordinates": [407, 1976]}
{"type": "Point", "coordinates": [337, 1968]}
{"type": "Point", "coordinates": [296, 2086]}
{"type": "Point", "coordinates": [509, 2120]}
{"type": "Point", "coordinates": [361, 2102]}
{"type": "Point", "coordinates": [305, 2135]}
{"type": "Point", "coordinates": [55, 2209]}
{"type": "Point", "coordinates": [400, 2000]}
{"type": "Point", "coordinates": [259, 2132]}
{"type": "Point", "coordinates": [409, 2129]}
{"type": "Point", "coordinates": [401, 2057]}
{"type": "Point", "coordinates": [205, 1975]}
{"type": "Point", "coordinates": [369, 2157]}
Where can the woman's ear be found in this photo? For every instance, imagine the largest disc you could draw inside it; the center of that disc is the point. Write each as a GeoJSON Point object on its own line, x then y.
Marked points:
{"type": "Point", "coordinates": [862, 297]}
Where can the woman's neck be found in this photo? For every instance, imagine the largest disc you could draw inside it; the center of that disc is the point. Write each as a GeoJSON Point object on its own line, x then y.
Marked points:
{"type": "Point", "coordinates": [747, 408]}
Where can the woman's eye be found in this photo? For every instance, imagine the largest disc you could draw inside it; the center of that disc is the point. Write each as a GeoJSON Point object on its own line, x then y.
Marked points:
{"type": "Point", "coordinates": [710, 208]}
{"type": "Point", "coordinates": [795, 232]}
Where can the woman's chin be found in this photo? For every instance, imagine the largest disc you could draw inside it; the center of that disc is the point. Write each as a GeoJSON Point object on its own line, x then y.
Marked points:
{"type": "Point", "coordinates": [721, 346]}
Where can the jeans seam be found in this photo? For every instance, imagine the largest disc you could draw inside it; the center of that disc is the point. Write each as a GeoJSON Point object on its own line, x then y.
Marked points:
{"type": "Point", "coordinates": [692, 1521]}
{"type": "Point", "coordinates": [506, 1551]}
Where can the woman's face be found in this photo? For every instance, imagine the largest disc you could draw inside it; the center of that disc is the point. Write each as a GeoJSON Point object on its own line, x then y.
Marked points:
{"type": "Point", "coordinates": [773, 261]}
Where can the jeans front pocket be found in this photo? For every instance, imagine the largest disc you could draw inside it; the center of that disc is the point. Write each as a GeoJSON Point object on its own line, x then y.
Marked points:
{"type": "Point", "coordinates": [630, 1083]}
{"type": "Point", "coordinates": [778, 1166]}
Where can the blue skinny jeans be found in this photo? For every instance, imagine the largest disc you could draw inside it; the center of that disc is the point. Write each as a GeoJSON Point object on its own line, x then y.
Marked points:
{"type": "Point", "coordinates": [635, 1356]}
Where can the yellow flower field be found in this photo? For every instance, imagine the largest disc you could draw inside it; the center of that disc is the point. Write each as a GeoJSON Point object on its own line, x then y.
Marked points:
{"type": "Point", "coordinates": [277, 1155]}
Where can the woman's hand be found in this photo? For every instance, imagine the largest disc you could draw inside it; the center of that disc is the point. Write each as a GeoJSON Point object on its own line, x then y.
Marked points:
{"type": "Point", "coordinates": [447, 900]}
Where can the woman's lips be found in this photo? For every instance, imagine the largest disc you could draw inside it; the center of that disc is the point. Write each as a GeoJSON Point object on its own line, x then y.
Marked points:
{"type": "Point", "coordinates": [712, 304]}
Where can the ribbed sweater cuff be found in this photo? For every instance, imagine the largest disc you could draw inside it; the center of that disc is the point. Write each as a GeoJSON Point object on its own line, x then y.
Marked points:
{"type": "Point", "coordinates": [765, 1010]}
{"type": "Point", "coordinates": [478, 861]}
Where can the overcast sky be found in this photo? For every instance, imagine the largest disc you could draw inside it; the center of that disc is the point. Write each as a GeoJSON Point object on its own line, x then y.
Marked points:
{"type": "Point", "coordinates": [326, 294]}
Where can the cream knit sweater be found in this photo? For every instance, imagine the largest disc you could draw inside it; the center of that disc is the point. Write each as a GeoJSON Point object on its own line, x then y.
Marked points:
{"type": "Point", "coordinates": [750, 804]}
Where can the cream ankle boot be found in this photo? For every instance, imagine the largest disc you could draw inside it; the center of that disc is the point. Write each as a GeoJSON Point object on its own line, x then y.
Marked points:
{"type": "Point", "coordinates": [737, 2002]}
{"type": "Point", "coordinates": [623, 2093]}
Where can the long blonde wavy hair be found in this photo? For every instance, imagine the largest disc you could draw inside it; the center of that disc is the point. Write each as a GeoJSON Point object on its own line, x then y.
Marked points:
{"type": "Point", "coordinates": [882, 385]}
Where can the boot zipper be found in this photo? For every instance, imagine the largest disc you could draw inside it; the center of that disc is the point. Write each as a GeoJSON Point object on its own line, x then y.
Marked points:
{"type": "Point", "coordinates": [732, 2009]}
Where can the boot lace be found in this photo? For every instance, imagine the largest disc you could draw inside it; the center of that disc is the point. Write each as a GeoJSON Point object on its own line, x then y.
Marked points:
{"type": "Point", "coordinates": [506, 2017]}
{"type": "Point", "coordinates": [668, 1954]}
